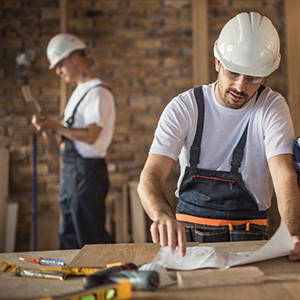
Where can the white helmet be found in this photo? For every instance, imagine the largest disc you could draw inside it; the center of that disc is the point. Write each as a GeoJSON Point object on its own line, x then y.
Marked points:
{"type": "Point", "coordinates": [249, 44]}
{"type": "Point", "coordinates": [61, 46]}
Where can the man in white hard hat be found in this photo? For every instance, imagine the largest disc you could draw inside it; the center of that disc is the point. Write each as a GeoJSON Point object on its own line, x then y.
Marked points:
{"type": "Point", "coordinates": [234, 141]}
{"type": "Point", "coordinates": [87, 131]}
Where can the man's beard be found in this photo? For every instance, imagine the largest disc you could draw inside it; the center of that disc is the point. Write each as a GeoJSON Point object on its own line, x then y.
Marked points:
{"type": "Point", "coordinates": [234, 104]}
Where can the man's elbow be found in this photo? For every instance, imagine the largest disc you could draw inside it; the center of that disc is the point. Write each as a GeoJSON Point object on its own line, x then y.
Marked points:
{"type": "Point", "coordinates": [91, 140]}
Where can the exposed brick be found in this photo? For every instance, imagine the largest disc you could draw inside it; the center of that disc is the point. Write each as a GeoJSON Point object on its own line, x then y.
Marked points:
{"type": "Point", "coordinates": [163, 14]}
{"type": "Point", "coordinates": [147, 43]}
{"type": "Point", "coordinates": [244, 4]}
{"type": "Point", "coordinates": [130, 53]}
{"type": "Point", "coordinates": [178, 23]}
{"type": "Point", "coordinates": [82, 23]}
{"type": "Point", "coordinates": [128, 14]}
{"type": "Point", "coordinates": [108, 4]}
{"type": "Point", "coordinates": [80, 3]}
{"type": "Point", "coordinates": [145, 63]}
{"type": "Point", "coordinates": [110, 24]}
{"type": "Point", "coordinates": [50, 13]}
{"type": "Point", "coordinates": [145, 4]}
{"type": "Point", "coordinates": [10, 3]}
{"type": "Point", "coordinates": [129, 34]}
{"type": "Point", "coordinates": [178, 4]}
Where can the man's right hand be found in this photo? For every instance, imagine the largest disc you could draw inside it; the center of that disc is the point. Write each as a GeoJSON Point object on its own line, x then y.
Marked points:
{"type": "Point", "coordinates": [167, 231]}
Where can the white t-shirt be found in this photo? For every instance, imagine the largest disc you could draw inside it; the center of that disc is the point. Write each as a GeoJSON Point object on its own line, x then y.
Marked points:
{"type": "Point", "coordinates": [270, 133]}
{"type": "Point", "coordinates": [97, 107]}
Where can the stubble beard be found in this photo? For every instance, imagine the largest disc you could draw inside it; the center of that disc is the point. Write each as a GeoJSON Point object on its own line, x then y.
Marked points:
{"type": "Point", "coordinates": [230, 103]}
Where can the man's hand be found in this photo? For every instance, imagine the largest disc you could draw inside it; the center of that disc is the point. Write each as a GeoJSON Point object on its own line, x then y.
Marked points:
{"type": "Point", "coordinates": [295, 253]}
{"type": "Point", "coordinates": [45, 122]}
{"type": "Point", "coordinates": [169, 232]}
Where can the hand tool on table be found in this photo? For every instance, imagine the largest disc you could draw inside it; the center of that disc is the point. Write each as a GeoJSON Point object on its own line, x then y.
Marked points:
{"type": "Point", "coordinates": [140, 280]}
{"type": "Point", "coordinates": [8, 269]}
{"type": "Point", "coordinates": [120, 290]}
{"type": "Point", "coordinates": [45, 261]}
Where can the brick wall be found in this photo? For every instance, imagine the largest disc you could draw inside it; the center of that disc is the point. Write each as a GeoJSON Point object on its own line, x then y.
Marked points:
{"type": "Point", "coordinates": [143, 49]}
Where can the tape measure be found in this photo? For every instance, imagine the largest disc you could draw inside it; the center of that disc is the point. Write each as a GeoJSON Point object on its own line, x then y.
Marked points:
{"type": "Point", "coordinates": [120, 290]}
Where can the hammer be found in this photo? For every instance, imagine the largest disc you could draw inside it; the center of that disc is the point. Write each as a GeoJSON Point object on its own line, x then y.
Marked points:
{"type": "Point", "coordinates": [24, 61]}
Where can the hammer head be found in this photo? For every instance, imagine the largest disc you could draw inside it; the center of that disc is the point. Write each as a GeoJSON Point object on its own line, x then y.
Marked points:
{"type": "Point", "coordinates": [24, 60]}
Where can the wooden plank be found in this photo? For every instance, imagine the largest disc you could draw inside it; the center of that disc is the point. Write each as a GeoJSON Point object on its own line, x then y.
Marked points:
{"type": "Point", "coordinates": [37, 110]}
{"type": "Point", "coordinates": [63, 28]}
{"type": "Point", "coordinates": [11, 226]}
{"type": "Point", "coordinates": [124, 216]}
{"type": "Point", "coordinates": [292, 21]}
{"type": "Point", "coordinates": [4, 187]}
{"type": "Point", "coordinates": [227, 277]}
{"type": "Point", "coordinates": [138, 217]}
{"type": "Point", "coordinates": [47, 232]}
{"type": "Point", "coordinates": [211, 277]}
{"type": "Point", "coordinates": [200, 42]}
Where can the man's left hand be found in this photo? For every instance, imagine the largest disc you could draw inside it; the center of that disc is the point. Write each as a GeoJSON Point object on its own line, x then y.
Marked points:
{"type": "Point", "coordinates": [295, 253]}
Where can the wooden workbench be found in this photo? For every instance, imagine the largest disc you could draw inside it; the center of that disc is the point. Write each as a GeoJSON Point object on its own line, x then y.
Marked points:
{"type": "Point", "coordinates": [93, 255]}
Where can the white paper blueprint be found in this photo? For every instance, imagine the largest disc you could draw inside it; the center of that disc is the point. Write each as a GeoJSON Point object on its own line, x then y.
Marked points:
{"type": "Point", "coordinates": [198, 257]}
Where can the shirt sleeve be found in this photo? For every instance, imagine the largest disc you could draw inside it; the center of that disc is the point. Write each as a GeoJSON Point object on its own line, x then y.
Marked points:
{"type": "Point", "coordinates": [98, 108]}
{"type": "Point", "coordinates": [172, 129]}
{"type": "Point", "coordinates": [279, 131]}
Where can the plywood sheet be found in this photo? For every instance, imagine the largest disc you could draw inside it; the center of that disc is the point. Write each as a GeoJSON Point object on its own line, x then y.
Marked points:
{"type": "Point", "coordinates": [101, 255]}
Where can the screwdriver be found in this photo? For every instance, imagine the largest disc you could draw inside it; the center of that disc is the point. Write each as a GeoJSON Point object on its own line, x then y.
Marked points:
{"type": "Point", "coordinates": [46, 261]}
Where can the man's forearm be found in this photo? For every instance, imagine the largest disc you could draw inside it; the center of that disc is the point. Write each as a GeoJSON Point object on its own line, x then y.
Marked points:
{"type": "Point", "coordinates": [153, 198]}
{"type": "Point", "coordinates": [87, 135]}
{"type": "Point", "coordinates": [289, 205]}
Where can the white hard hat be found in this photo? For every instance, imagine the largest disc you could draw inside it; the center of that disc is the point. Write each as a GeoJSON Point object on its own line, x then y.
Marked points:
{"type": "Point", "coordinates": [61, 46]}
{"type": "Point", "coordinates": [249, 44]}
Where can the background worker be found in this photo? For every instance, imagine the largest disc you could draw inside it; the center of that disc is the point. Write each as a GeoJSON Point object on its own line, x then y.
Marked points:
{"type": "Point", "coordinates": [87, 131]}
{"type": "Point", "coordinates": [245, 150]}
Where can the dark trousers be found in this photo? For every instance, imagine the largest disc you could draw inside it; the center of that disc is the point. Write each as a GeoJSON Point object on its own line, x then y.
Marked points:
{"type": "Point", "coordinates": [210, 234]}
{"type": "Point", "coordinates": [84, 186]}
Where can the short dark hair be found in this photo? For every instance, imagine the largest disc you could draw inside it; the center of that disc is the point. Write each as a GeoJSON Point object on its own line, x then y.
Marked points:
{"type": "Point", "coordinates": [80, 52]}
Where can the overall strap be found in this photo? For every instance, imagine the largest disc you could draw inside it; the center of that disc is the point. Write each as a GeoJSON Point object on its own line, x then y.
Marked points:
{"type": "Point", "coordinates": [195, 151]}
{"type": "Point", "coordinates": [195, 148]}
{"type": "Point", "coordinates": [238, 152]}
{"type": "Point", "coordinates": [71, 120]}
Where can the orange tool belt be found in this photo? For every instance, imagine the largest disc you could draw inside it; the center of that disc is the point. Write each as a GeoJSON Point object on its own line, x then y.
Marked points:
{"type": "Point", "coordinates": [218, 222]}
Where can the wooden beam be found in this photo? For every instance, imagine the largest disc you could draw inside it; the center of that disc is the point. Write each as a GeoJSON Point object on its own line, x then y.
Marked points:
{"type": "Point", "coordinates": [200, 42]}
{"type": "Point", "coordinates": [63, 28]}
{"type": "Point", "coordinates": [292, 21]}
{"type": "Point", "coordinates": [4, 191]}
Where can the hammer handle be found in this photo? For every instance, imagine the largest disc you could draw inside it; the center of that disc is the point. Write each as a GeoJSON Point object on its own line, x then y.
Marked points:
{"type": "Point", "coordinates": [36, 109]}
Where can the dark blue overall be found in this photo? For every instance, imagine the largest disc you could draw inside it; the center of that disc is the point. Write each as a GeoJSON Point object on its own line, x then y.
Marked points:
{"type": "Point", "coordinates": [84, 186]}
{"type": "Point", "coordinates": [215, 206]}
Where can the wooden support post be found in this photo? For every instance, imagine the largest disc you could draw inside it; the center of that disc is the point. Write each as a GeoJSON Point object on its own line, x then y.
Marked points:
{"type": "Point", "coordinates": [4, 167]}
{"type": "Point", "coordinates": [63, 28]}
{"type": "Point", "coordinates": [200, 43]}
{"type": "Point", "coordinates": [292, 21]}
